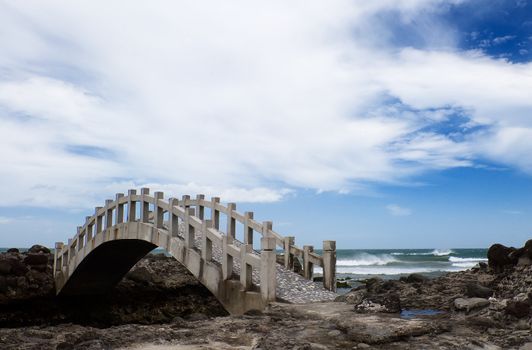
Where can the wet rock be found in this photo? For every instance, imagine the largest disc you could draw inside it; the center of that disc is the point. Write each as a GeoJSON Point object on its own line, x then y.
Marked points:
{"type": "Point", "coordinates": [477, 290]}
{"type": "Point", "coordinates": [500, 256]}
{"type": "Point", "coordinates": [13, 250]}
{"type": "Point", "coordinates": [518, 308]}
{"type": "Point", "coordinates": [39, 249]}
{"type": "Point", "coordinates": [5, 267]}
{"type": "Point", "coordinates": [18, 268]}
{"type": "Point", "coordinates": [355, 297]}
{"type": "Point", "coordinates": [36, 259]}
{"type": "Point", "coordinates": [414, 278]}
{"type": "Point", "coordinates": [140, 275]}
{"type": "Point", "coordinates": [468, 304]}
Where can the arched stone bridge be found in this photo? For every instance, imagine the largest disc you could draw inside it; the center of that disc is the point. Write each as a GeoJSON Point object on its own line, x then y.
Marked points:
{"type": "Point", "coordinates": [119, 234]}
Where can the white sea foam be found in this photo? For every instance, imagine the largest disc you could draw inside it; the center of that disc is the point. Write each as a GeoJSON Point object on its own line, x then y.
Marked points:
{"type": "Point", "coordinates": [466, 265]}
{"type": "Point", "coordinates": [441, 252]}
{"type": "Point", "coordinates": [366, 259]}
{"type": "Point", "coordinates": [457, 259]}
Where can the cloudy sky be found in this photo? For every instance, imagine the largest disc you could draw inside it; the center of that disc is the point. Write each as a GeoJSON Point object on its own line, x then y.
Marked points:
{"type": "Point", "coordinates": [380, 124]}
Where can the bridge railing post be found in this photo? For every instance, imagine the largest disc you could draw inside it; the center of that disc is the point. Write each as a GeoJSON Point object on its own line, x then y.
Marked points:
{"type": "Point", "coordinates": [231, 222]}
{"type": "Point", "coordinates": [158, 213]}
{"type": "Point", "coordinates": [268, 269]}
{"type": "Point", "coordinates": [119, 217]}
{"type": "Point", "coordinates": [173, 220]}
{"type": "Point", "coordinates": [144, 205]}
{"type": "Point", "coordinates": [329, 265]}
{"type": "Point", "coordinates": [58, 257]}
{"type": "Point", "coordinates": [227, 259]}
{"type": "Point", "coordinates": [288, 257]}
{"type": "Point", "coordinates": [246, 270]}
{"type": "Point", "coordinates": [248, 231]}
{"type": "Point", "coordinates": [98, 220]}
{"type": "Point", "coordinates": [206, 243]}
{"type": "Point", "coordinates": [200, 208]}
{"type": "Point", "coordinates": [189, 229]}
{"type": "Point", "coordinates": [131, 206]}
{"type": "Point", "coordinates": [215, 213]}
{"type": "Point", "coordinates": [108, 213]}
{"type": "Point", "coordinates": [308, 267]}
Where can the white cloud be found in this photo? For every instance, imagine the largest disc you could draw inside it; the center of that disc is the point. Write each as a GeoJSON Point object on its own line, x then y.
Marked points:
{"type": "Point", "coordinates": [397, 210]}
{"type": "Point", "coordinates": [244, 100]}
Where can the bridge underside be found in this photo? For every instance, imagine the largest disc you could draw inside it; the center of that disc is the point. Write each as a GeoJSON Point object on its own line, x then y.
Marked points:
{"type": "Point", "coordinates": [104, 267]}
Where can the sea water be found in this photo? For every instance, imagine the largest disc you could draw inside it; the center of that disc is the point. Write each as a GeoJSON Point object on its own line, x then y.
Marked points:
{"type": "Point", "coordinates": [394, 263]}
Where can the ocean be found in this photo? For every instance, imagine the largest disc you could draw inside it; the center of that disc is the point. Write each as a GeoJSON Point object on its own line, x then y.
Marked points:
{"type": "Point", "coordinates": [393, 263]}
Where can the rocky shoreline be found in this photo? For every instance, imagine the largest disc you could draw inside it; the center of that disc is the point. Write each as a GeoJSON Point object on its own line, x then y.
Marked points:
{"type": "Point", "coordinates": [160, 305]}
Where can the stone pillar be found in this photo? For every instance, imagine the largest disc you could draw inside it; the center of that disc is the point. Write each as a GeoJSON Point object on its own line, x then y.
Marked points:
{"type": "Point", "coordinates": [206, 243]}
{"type": "Point", "coordinates": [158, 213]}
{"type": "Point", "coordinates": [329, 265]}
{"type": "Point", "coordinates": [108, 213]}
{"type": "Point", "coordinates": [200, 208]}
{"type": "Point", "coordinates": [248, 231]}
{"type": "Point", "coordinates": [88, 229]}
{"type": "Point", "coordinates": [173, 219]}
{"type": "Point", "coordinates": [98, 220]}
{"type": "Point", "coordinates": [144, 205]}
{"type": "Point", "coordinates": [58, 257]}
{"type": "Point", "coordinates": [215, 213]}
{"type": "Point", "coordinates": [227, 260]}
{"type": "Point", "coordinates": [246, 270]}
{"type": "Point", "coordinates": [308, 267]}
{"type": "Point", "coordinates": [288, 257]}
{"type": "Point", "coordinates": [131, 206]}
{"type": "Point", "coordinates": [119, 209]}
{"type": "Point", "coordinates": [268, 269]}
{"type": "Point", "coordinates": [189, 229]}
{"type": "Point", "coordinates": [231, 222]}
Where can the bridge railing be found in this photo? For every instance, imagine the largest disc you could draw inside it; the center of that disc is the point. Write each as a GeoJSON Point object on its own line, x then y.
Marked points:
{"type": "Point", "coordinates": [185, 217]}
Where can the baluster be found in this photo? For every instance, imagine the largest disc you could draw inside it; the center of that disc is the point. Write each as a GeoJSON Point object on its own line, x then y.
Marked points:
{"type": "Point", "coordinates": [131, 206]}
{"type": "Point", "coordinates": [173, 220]}
{"type": "Point", "coordinates": [88, 228]}
{"type": "Point", "coordinates": [144, 204]}
{"type": "Point", "coordinates": [81, 237]}
{"type": "Point", "coordinates": [119, 217]}
{"type": "Point", "coordinates": [329, 265]}
{"type": "Point", "coordinates": [215, 213]}
{"type": "Point", "coordinates": [108, 213]}
{"type": "Point", "coordinates": [288, 257]}
{"type": "Point", "coordinates": [308, 267]}
{"type": "Point", "coordinates": [248, 231]}
{"type": "Point", "coordinates": [189, 229]}
{"type": "Point", "coordinates": [201, 208]}
{"type": "Point", "coordinates": [58, 257]}
{"type": "Point", "coordinates": [231, 222]}
{"type": "Point", "coordinates": [246, 273]}
{"type": "Point", "coordinates": [227, 260]}
{"type": "Point", "coordinates": [98, 220]}
{"type": "Point", "coordinates": [185, 201]}
{"type": "Point", "coordinates": [268, 263]}
{"type": "Point", "coordinates": [158, 213]}
{"type": "Point", "coordinates": [206, 243]}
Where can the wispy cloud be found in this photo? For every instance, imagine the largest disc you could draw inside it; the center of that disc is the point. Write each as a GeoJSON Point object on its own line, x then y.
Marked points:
{"type": "Point", "coordinates": [253, 104]}
{"type": "Point", "coordinates": [513, 212]}
{"type": "Point", "coordinates": [397, 210]}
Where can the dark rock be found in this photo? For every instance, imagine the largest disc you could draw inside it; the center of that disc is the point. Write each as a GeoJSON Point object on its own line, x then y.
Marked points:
{"type": "Point", "coordinates": [468, 304]}
{"type": "Point", "coordinates": [197, 317]}
{"type": "Point", "coordinates": [140, 275]}
{"type": "Point", "coordinates": [342, 284]}
{"type": "Point", "coordinates": [500, 256]}
{"type": "Point", "coordinates": [482, 265]}
{"type": "Point", "coordinates": [41, 268]}
{"type": "Point", "coordinates": [13, 250]}
{"type": "Point", "coordinates": [36, 259]}
{"type": "Point", "coordinates": [476, 290]}
{"type": "Point", "coordinates": [253, 312]}
{"type": "Point", "coordinates": [39, 249]}
{"type": "Point", "coordinates": [18, 268]}
{"type": "Point", "coordinates": [3, 284]}
{"type": "Point", "coordinates": [518, 309]}
{"type": "Point", "coordinates": [5, 267]}
{"type": "Point", "coordinates": [414, 278]}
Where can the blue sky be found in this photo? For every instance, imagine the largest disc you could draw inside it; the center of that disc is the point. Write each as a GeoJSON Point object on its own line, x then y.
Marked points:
{"type": "Point", "coordinates": [383, 124]}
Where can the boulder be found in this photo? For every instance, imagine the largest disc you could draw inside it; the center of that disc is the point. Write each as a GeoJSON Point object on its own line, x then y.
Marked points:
{"type": "Point", "coordinates": [5, 267]}
{"type": "Point", "coordinates": [36, 259]}
{"type": "Point", "coordinates": [13, 250]}
{"type": "Point", "coordinates": [39, 249]}
{"type": "Point", "coordinates": [414, 278]}
{"type": "Point", "coordinates": [476, 290]}
{"type": "Point", "coordinates": [18, 268]}
{"type": "Point", "coordinates": [140, 275]}
{"type": "Point", "coordinates": [468, 304]}
{"type": "Point", "coordinates": [3, 284]}
{"type": "Point", "coordinates": [355, 297]}
{"type": "Point", "coordinates": [500, 256]}
{"type": "Point", "coordinates": [518, 308]}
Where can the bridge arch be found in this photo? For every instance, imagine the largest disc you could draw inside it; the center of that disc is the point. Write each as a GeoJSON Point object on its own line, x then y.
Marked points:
{"type": "Point", "coordinates": [113, 239]}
